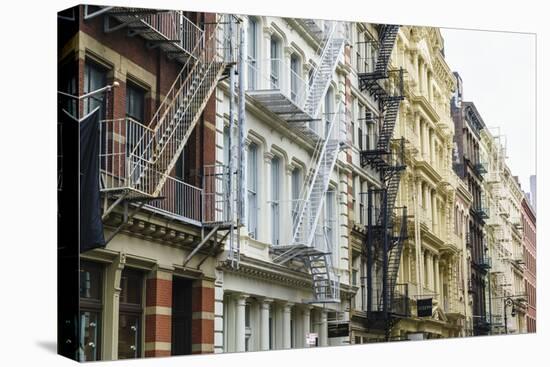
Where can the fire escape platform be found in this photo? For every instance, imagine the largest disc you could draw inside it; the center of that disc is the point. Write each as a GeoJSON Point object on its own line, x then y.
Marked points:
{"type": "Point", "coordinates": [136, 26]}
{"type": "Point", "coordinates": [277, 102]}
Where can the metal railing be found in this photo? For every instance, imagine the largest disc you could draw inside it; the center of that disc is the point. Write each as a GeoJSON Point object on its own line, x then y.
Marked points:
{"type": "Point", "coordinates": [180, 200]}
{"type": "Point", "coordinates": [120, 149]}
{"type": "Point", "coordinates": [179, 111]}
{"type": "Point", "coordinates": [276, 74]}
{"type": "Point", "coordinates": [216, 195]}
{"type": "Point", "coordinates": [175, 26]}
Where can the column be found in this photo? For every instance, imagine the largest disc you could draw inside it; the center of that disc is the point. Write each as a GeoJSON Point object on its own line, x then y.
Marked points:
{"type": "Point", "coordinates": [437, 279]}
{"type": "Point", "coordinates": [264, 323]}
{"type": "Point", "coordinates": [240, 325]}
{"type": "Point", "coordinates": [434, 210]}
{"type": "Point", "coordinates": [111, 312]}
{"type": "Point", "coordinates": [158, 314]}
{"type": "Point", "coordinates": [306, 320]}
{"type": "Point", "coordinates": [202, 323]}
{"type": "Point", "coordinates": [424, 280]}
{"type": "Point", "coordinates": [429, 268]}
{"type": "Point", "coordinates": [420, 75]}
{"type": "Point", "coordinates": [264, 215]}
{"type": "Point", "coordinates": [287, 308]}
{"type": "Point", "coordinates": [432, 148]}
{"type": "Point", "coordinates": [323, 328]}
{"type": "Point", "coordinates": [426, 141]}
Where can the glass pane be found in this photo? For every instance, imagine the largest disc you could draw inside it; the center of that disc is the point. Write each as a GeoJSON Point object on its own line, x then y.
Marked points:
{"type": "Point", "coordinates": [128, 336]}
{"type": "Point", "coordinates": [95, 77]}
{"type": "Point", "coordinates": [135, 102]}
{"type": "Point", "coordinates": [131, 283]}
{"type": "Point", "coordinates": [89, 336]}
{"type": "Point", "coordinates": [90, 281]}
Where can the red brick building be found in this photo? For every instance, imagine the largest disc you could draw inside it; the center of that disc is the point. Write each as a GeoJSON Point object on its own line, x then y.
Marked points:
{"type": "Point", "coordinates": [529, 222]}
{"type": "Point", "coordinates": [148, 292]}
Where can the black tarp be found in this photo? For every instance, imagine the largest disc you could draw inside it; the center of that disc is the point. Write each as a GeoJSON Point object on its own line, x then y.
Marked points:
{"type": "Point", "coordinates": [91, 226]}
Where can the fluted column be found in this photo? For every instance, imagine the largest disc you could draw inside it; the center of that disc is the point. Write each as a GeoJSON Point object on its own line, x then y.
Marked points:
{"type": "Point", "coordinates": [437, 279]}
{"type": "Point", "coordinates": [287, 308]}
{"type": "Point", "coordinates": [434, 211]}
{"type": "Point", "coordinates": [306, 321]}
{"type": "Point", "coordinates": [323, 328]}
{"type": "Point", "coordinates": [240, 325]}
{"type": "Point", "coordinates": [264, 323]}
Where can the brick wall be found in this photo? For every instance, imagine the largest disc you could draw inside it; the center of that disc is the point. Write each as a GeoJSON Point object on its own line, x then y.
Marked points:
{"type": "Point", "coordinates": [158, 314]}
{"type": "Point", "coordinates": [203, 317]}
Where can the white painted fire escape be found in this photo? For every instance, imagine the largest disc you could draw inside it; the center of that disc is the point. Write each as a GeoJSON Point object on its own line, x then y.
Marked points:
{"type": "Point", "coordinates": [309, 242]}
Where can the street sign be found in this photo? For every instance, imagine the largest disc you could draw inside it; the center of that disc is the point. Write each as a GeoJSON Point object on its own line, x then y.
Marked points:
{"type": "Point", "coordinates": [311, 338]}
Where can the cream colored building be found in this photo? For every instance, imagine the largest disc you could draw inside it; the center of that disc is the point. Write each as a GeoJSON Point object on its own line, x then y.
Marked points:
{"type": "Point", "coordinates": [263, 304]}
{"type": "Point", "coordinates": [503, 234]}
{"type": "Point", "coordinates": [433, 260]}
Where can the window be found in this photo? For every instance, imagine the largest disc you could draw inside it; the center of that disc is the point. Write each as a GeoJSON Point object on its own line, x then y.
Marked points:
{"type": "Point", "coordinates": [296, 188]}
{"type": "Point", "coordinates": [275, 197]}
{"type": "Point", "coordinates": [95, 77]}
{"type": "Point", "coordinates": [130, 313]}
{"type": "Point", "coordinates": [135, 109]}
{"type": "Point", "coordinates": [91, 291]}
{"type": "Point", "coordinates": [135, 102]}
{"type": "Point", "coordinates": [275, 47]}
{"type": "Point", "coordinates": [330, 224]}
{"type": "Point", "coordinates": [252, 181]}
{"type": "Point", "coordinates": [252, 52]}
{"type": "Point", "coordinates": [294, 77]}
{"type": "Point", "coordinates": [329, 109]}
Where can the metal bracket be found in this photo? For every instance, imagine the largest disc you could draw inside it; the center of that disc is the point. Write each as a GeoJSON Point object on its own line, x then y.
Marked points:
{"type": "Point", "coordinates": [200, 245]}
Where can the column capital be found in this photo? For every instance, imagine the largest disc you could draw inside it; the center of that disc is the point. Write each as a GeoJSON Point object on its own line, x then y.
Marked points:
{"type": "Point", "coordinates": [241, 298]}
{"type": "Point", "coordinates": [265, 302]}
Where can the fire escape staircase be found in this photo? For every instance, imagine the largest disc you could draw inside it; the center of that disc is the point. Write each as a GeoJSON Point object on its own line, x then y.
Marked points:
{"type": "Point", "coordinates": [298, 113]}
{"type": "Point", "coordinates": [309, 243]}
{"type": "Point", "coordinates": [384, 244]}
{"type": "Point", "coordinates": [153, 156]}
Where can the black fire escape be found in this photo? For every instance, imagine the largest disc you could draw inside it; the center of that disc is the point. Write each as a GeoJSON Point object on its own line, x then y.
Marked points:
{"type": "Point", "coordinates": [386, 224]}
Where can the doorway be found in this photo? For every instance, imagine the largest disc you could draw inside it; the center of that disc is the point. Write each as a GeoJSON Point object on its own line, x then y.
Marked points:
{"type": "Point", "coordinates": [181, 316]}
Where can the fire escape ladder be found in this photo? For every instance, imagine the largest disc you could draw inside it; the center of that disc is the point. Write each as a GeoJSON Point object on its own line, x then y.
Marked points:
{"type": "Point", "coordinates": [155, 155]}
{"type": "Point", "coordinates": [309, 242]}
{"type": "Point", "coordinates": [320, 81]}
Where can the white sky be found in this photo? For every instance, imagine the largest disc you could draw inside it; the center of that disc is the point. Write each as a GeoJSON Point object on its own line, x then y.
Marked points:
{"type": "Point", "coordinates": [498, 75]}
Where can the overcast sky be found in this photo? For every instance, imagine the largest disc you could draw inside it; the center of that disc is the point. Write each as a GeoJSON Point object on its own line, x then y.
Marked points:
{"type": "Point", "coordinates": [498, 74]}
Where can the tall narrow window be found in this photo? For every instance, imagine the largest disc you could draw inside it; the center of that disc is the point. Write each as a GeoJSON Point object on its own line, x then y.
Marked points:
{"type": "Point", "coordinates": [135, 110]}
{"type": "Point", "coordinates": [329, 110]}
{"type": "Point", "coordinates": [275, 197]}
{"type": "Point", "coordinates": [296, 186]}
{"type": "Point", "coordinates": [252, 181]}
{"type": "Point", "coordinates": [91, 290]}
{"type": "Point", "coordinates": [130, 314]}
{"type": "Point", "coordinates": [294, 77]}
{"type": "Point", "coordinates": [330, 224]}
{"type": "Point", "coordinates": [95, 77]}
{"type": "Point", "coordinates": [252, 52]}
{"type": "Point", "coordinates": [275, 63]}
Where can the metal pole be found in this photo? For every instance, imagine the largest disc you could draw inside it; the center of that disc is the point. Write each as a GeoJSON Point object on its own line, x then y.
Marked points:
{"type": "Point", "coordinates": [490, 305]}
{"type": "Point", "coordinates": [242, 121]}
{"type": "Point", "coordinates": [369, 251]}
{"type": "Point", "coordinates": [385, 293]}
{"type": "Point", "coordinates": [230, 142]}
